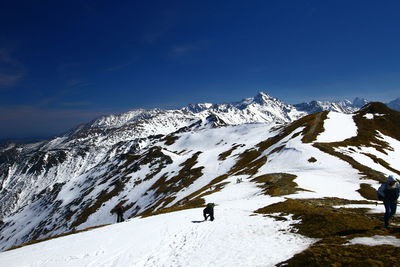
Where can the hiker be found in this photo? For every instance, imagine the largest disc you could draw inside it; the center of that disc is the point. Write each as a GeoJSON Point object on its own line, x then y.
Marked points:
{"type": "Point", "coordinates": [208, 212]}
{"type": "Point", "coordinates": [389, 193]}
{"type": "Point", "coordinates": [119, 210]}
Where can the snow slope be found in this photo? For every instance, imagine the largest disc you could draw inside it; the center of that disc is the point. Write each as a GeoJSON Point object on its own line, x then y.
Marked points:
{"type": "Point", "coordinates": [177, 239]}
{"type": "Point", "coordinates": [327, 177]}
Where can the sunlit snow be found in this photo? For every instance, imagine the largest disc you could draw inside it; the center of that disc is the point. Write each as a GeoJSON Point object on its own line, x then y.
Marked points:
{"type": "Point", "coordinates": [338, 127]}
{"type": "Point", "coordinates": [376, 241]}
{"type": "Point", "coordinates": [236, 236]}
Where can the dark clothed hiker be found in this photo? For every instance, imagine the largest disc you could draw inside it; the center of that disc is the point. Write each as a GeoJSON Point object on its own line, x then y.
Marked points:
{"type": "Point", "coordinates": [389, 193]}
{"type": "Point", "coordinates": [119, 210]}
{"type": "Point", "coordinates": [120, 214]}
{"type": "Point", "coordinates": [208, 212]}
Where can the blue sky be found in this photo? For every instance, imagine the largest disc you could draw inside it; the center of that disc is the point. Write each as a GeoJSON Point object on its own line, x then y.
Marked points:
{"type": "Point", "coordinates": [67, 62]}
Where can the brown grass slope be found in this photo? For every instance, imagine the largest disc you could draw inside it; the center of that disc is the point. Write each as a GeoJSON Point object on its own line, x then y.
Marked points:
{"type": "Point", "coordinates": [388, 123]}
{"type": "Point", "coordinates": [334, 227]}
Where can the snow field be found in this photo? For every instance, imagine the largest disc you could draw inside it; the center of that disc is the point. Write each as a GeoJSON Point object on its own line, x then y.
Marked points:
{"type": "Point", "coordinates": [329, 176]}
{"type": "Point", "coordinates": [338, 127]}
{"type": "Point", "coordinates": [177, 239]}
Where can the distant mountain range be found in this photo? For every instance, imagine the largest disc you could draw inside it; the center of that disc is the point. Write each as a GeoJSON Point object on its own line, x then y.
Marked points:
{"type": "Point", "coordinates": [261, 108]}
{"type": "Point", "coordinates": [344, 106]}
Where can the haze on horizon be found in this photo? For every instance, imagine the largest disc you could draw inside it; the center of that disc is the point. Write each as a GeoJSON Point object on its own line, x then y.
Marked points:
{"type": "Point", "coordinates": [67, 62]}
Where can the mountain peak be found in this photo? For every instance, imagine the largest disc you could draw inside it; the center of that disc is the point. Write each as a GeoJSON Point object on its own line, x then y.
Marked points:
{"type": "Point", "coordinates": [262, 98]}
{"type": "Point", "coordinates": [375, 107]}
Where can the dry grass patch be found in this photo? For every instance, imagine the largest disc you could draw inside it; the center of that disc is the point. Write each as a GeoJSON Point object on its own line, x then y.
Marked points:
{"type": "Point", "coordinates": [277, 184]}
{"type": "Point", "coordinates": [367, 192]}
{"type": "Point", "coordinates": [170, 139]}
{"type": "Point", "coordinates": [312, 160]}
{"type": "Point", "coordinates": [339, 255]}
{"type": "Point", "coordinates": [248, 163]}
{"type": "Point", "coordinates": [319, 219]}
{"type": "Point", "coordinates": [335, 227]}
{"type": "Point", "coordinates": [226, 154]}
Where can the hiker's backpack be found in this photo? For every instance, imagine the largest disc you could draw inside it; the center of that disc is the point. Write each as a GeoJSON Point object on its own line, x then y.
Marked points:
{"type": "Point", "coordinates": [210, 205]}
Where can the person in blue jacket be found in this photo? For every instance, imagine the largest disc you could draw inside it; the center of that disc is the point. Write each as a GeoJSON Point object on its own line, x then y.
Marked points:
{"type": "Point", "coordinates": [389, 193]}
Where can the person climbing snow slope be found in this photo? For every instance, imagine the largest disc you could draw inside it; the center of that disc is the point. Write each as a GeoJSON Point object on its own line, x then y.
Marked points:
{"type": "Point", "coordinates": [208, 212]}
{"type": "Point", "coordinates": [389, 193]}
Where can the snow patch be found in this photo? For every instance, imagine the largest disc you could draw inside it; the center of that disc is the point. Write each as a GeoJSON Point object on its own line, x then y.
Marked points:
{"type": "Point", "coordinates": [338, 127]}
{"type": "Point", "coordinates": [377, 208]}
{"type": "Point", "coordinates": [376, 240]}
{"type": "Point", "coordinates": [370, 116]}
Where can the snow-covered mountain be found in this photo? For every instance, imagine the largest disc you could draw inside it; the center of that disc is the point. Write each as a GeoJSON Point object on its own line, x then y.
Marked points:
{"type": "Point", "coordinates": [261, 108]}
{"type": "Point", "coordinates": [158, 161]}
{"type": "Point", "coordinates": [27, 170]}
{"type": "Point", "coordinates": [344, 106]}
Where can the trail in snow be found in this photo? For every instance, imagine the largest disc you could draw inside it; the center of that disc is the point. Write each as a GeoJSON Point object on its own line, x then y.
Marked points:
{"type": "Point", "coordinates": [235, 237]}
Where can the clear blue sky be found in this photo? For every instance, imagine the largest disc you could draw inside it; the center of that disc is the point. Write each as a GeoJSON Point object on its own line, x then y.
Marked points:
{"type": "Point", "coordinates": [67, 62]}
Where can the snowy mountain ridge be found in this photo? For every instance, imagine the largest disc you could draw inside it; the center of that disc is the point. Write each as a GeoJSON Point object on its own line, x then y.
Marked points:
{"type": "Point", "coordinates": [261, 108]}
{"type": "Point", "coordinates": [344, 106]}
